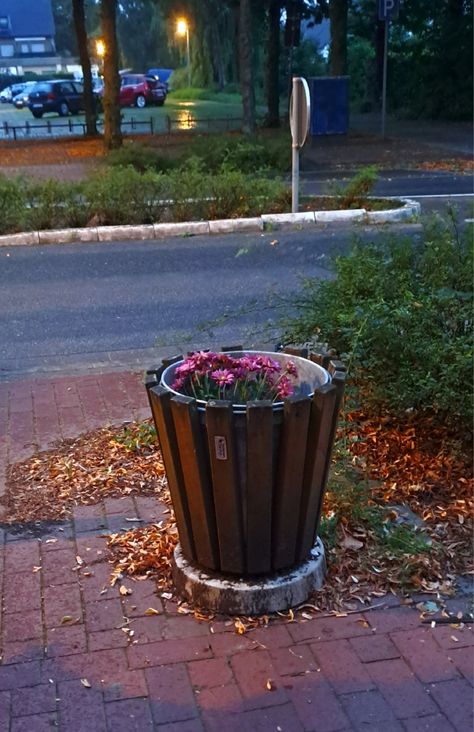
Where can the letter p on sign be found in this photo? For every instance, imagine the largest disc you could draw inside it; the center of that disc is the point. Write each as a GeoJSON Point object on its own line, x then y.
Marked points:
{"type": "Point", "coordinates": [388, 9]}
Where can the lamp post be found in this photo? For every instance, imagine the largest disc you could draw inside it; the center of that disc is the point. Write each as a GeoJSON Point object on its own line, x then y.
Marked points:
{"type": "Point", "coordinates": [182, 29]}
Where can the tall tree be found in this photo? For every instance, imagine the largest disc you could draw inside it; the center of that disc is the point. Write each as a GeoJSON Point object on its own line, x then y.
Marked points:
{"type": "Point", "coordinates": [273, 63]}
{"type": "Point", "coordinates": [79, 18]}
{"type": "Point", "coordinates": [338, 11]}
{"type": "Point", "coordinates": [246, 67]}
{"type": "Point", "coordinates": [108, 21]}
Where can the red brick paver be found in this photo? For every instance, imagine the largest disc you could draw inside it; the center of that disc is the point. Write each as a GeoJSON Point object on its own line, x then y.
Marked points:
{"type": "Point", "coordinates": [69, 662]}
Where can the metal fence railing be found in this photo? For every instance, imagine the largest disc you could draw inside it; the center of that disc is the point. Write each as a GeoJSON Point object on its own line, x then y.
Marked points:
{"type": "Point", "coordinates": [165, 125]}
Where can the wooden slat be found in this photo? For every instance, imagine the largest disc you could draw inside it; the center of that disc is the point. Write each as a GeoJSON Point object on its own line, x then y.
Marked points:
{"type": "Point", "coordinates": [194, 464]}
{"type": "Point", "coordinates": [259, 486]}
{"type": "Point", "coordinates": [289, 482]}
{"type": "Point", "coordinates": [290, 351]}
{"type": "Point", "coordinates": [225, 484]}
{"type": "Point", "coordinates": [339, 382]}
{"type": "Point", "coordinates": [160, 407]}
{"type": "Point", "coordinates": [321, 358]}
{"type": "Point", "coordinates": [336, 365]}
{"type": "Point", "coordinates": [224, 349]}
{"type": "Point", "coordinates": [319, 434]}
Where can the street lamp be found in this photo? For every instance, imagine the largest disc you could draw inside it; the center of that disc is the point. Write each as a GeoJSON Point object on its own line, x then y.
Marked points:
{"type": "Point", "coordinates": [100, 52]}
{"type": "Point", "coordinates": [182, 29]}
{"type": "Point", "coordinates": [100, 48]}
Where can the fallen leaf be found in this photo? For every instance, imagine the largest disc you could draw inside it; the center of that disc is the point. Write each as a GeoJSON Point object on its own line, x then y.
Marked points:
{"type": "Point", "coordinates": [350, 543]}
{"type": "Point", "coordinates": [270, 685]}
{"type": "Point", "coordinates": [151, 611]}
{"type": "Point", "coordinates": [124, 590]}
{"type": "Point", "coordinates": [240, 627]}
{"type": "Point", "coordinates": [85, 683]}
{"type": "Point", "coordinates": [456, 640]}
{"type": "Point", "coordinates": [66, 619]}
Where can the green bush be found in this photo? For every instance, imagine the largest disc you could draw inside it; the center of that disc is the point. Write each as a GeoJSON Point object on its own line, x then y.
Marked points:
{"type": "Point", "coordinates": [56, 205]}
{"type": "Point", "coordinates": [125, 196]}
{"type": "Point", "coordinates": [247, 156]}
{"type": "Point", "coordinates": [13, 212]}
{"type": "Point", "coordinates": [141, 157]}
{"type": "Point", "coordinates": [355, 192]}
{"type": "Point", "coordinates": [400, 314]}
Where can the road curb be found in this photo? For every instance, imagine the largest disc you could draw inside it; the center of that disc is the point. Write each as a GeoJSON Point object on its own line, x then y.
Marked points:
{"type": "Point", "coordinates": [264, 222]}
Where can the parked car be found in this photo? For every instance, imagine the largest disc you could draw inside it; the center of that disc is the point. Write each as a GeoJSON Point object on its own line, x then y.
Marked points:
{"type": "Point", "coordinates": [7, 94]}
{"type": "Point", "coordinates": [61, 96]}
{"type": "Point", "coordinates": [138, 90]}
{"type": "Point", "coordinates": [21, 100]}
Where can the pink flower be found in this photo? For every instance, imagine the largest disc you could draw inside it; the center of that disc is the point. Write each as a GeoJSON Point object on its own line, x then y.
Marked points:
{"type": "Point", "coordinates": [284, 388]}
{"type": "Point", "coordinates": [223, 377]}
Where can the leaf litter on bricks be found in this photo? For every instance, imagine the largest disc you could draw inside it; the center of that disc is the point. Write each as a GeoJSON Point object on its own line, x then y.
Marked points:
{"type": "Point", "coordinates": [408, 473]}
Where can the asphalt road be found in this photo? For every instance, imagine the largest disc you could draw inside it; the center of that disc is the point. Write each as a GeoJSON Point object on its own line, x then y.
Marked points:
{"type": "Point", "coordinates": [75, 307]}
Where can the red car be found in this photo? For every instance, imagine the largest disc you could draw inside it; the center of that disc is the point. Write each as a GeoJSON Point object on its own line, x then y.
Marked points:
{"type": "Point", "coordinates": [138, 90]}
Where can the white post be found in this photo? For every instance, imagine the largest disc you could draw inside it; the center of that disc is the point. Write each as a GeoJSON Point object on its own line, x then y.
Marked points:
{"type": "Point", "coordinates": [295, 154]}
{"type": "Point", "coordinates": [295, 177]}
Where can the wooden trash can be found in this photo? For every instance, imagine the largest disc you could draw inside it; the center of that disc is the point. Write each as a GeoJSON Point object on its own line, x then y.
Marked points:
{"type": "Point", "coordinates": [247, 481]}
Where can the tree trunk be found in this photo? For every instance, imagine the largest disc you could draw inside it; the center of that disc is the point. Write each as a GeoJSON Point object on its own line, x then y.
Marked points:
{"type": "Point", "coordinates": [273, 60]}
{"type": "Point", "coordinates": [246, 67]}
{"type": "Point", "coordinates": [338, 10]}
{"type": "Point", "coordinates": [108, 21]}
{"type": "Point", "coordinates": [79, 17]}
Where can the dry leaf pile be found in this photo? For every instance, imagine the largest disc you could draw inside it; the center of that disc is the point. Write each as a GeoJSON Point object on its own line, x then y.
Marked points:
{"type": "Point", "coordinates": [411, 464]}
{"type": "Point", "coordinates": [458, 165]}
{"type": "Point", "coordinates": [106, 463]}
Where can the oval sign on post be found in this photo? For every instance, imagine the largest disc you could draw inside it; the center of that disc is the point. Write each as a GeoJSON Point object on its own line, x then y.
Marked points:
{"type": "Point", "coordinates": [300, 111]}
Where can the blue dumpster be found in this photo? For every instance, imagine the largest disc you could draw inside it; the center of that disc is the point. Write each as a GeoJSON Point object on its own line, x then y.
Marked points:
{"type": "Point", "coordinates": [329, 105]}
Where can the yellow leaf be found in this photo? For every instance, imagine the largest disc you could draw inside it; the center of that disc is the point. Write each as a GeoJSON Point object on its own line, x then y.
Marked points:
{"type": "Point", "coordinates": [124, 590]}
{"type": "Point", "coordinates": [85, 683]}
{"type": "Point", "coordinates": [240, 627]}
{"type": "Point", "coordinates": [66, 619]}
{"type": "Point", "coordinates": [151, 611]}
{"type": "Point", "coordinates": [270, 685]}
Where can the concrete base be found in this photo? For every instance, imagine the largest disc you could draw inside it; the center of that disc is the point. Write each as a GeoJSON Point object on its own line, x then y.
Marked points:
{"type": "Point", "coordinates": [231, 596]}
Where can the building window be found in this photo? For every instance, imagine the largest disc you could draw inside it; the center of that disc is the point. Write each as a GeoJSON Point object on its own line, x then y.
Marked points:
{"type": "Point", "coordinates": [6, 50]}
{"type": "Point", "coordinates": [4, 22]}
{"type": "Point", "coordinates": [25, 48]}
{"type": "Point", "coordinates": [38, 47]}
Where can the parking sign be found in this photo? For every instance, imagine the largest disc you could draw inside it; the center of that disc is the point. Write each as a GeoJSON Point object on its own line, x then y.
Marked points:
{"type": "Point", "coordinates": [388, 9]}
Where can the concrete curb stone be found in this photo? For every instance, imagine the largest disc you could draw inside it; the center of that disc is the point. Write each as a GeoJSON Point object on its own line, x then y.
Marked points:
{"type": "Point", "coordinates": [68, 236]}
{"type": "Point", "coordinates": [219, 226]}
{"type": "Point", "coordinates": [121, 233]}
{"type": "Point", "coordinates": [228, 226]}
{"type": "Point", "coordinates": [190, 228]}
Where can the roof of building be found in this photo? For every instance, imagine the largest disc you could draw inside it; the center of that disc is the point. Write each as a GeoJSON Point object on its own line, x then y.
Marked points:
{"type": "Point", "coordinates": [29, 18]}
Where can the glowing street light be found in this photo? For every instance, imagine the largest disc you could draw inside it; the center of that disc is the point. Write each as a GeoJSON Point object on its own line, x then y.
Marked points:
{"type": "Point", "coordinates": [100, 48]}
{"type": "Point", "coordinates": [182, 29]}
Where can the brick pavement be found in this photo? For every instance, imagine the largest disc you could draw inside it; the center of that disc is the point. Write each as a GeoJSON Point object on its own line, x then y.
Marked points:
{"type": "Point", "coordinates": [69, 662]}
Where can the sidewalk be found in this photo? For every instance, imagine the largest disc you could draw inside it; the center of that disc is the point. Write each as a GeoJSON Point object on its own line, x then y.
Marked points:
{"type": "Point", "coordinates": [67, 663]}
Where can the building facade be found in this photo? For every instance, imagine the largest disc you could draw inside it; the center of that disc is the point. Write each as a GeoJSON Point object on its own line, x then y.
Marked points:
{"type": "Point", "coordinates": [27, 38]}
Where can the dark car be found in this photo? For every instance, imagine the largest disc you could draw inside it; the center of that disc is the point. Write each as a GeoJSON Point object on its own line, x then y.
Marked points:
{"type": "Point", "coordinates": [61, 96]}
